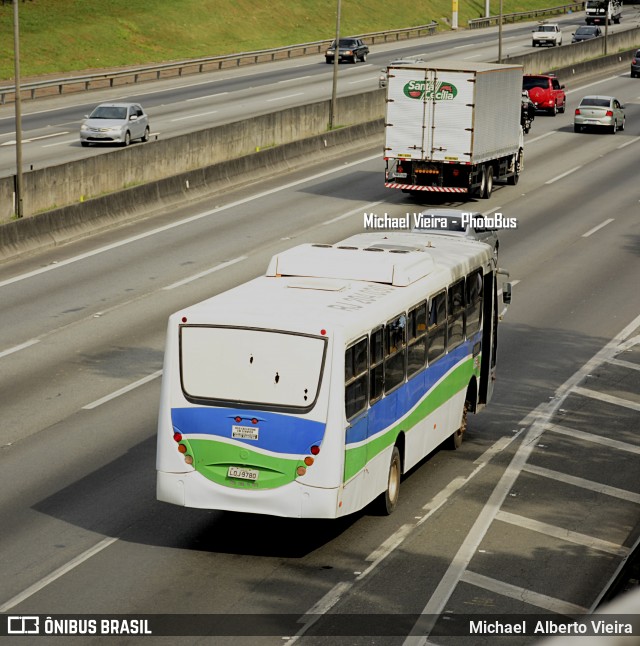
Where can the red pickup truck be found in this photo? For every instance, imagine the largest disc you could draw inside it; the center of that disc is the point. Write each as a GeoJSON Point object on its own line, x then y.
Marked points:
{"type": "Point", "coordinates": [546, 92]}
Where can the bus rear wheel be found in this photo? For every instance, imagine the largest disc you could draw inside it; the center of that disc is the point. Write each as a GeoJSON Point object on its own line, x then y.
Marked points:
{"type": "Point", "coordinates": [389, 499]}
{"type": "Point", "coordinates": [455, 441]}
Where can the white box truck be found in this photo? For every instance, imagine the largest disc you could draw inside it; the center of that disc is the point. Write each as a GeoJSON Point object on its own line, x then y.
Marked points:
{"type": "Point", "coordinates": [597, 12]}
{"type": "Point", "coordinates": [453, 128]}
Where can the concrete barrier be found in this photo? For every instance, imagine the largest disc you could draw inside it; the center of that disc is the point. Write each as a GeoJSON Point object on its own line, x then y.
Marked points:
{"type": "Point", "coordinates": [64, 224]}
{"type": "Point", "coordinates": [65, 184]}
{"type": "Point", "coordinates": [588, 52]}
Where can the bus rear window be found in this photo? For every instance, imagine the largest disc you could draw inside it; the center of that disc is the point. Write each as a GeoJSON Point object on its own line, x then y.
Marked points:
{"type": "Point", "coordinates": [251, 367]}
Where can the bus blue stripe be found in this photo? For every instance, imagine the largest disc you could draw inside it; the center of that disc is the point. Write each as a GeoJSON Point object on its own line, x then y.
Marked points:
{"type": "Point", "coordinates": [390, 408]}
{"type": "Point", "coordinates": [278, 433]}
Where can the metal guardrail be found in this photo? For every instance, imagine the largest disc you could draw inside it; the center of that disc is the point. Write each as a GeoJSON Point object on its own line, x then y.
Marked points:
{"type": "Point", "coordinates": [477, 23]}
{"type": "Point", "coordinates": [179, 68]}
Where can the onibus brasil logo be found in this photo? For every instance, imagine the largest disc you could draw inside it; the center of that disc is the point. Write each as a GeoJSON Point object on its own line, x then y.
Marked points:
{"type": "Point", "coordinates": [430, 90]}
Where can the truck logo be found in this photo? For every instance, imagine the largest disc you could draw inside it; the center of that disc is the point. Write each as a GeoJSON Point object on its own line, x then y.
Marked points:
{"type": "Point", "coordinates": [430, 90]}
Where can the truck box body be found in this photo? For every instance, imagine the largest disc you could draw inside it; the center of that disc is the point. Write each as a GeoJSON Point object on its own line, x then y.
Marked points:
{"type": "Point", "coordinates": [453, 113]}
{"type": "Point", "coordinates": [473, 116]}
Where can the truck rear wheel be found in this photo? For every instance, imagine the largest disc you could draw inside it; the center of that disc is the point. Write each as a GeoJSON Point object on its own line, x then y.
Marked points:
{"type": "Point", "coordinates": [488, 181]}
{"type": "Point", "coordinates": [513, 179]}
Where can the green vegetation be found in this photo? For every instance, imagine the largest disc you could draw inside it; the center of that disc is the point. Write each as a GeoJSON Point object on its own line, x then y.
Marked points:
{"type": "Point", "coordinates": [62, 36]}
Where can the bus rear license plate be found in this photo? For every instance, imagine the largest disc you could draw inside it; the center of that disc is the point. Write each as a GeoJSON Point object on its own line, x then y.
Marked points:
{"type": "Point", "coordinates": [242, 473]}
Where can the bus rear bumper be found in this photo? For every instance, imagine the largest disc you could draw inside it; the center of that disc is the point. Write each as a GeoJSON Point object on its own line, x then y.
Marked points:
{"type": "Point", "coordinates": [294, 500]}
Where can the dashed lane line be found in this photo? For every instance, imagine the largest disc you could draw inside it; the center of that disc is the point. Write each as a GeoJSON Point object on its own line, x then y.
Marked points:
{"type": "Point", "coordinates": [590, 437]}
{"type": "Point", "coordinates": [583, 483]}
{"type": "Point", "coordinates": [609, 399]}
{"type": "Point", "coordinates": [563, 534]}
{"type": "Point", "coordinates": [522, 594]}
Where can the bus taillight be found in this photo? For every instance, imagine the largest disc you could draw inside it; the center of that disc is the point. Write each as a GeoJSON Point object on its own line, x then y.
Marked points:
{"type": "Point", "coordinates": [308, 460]}
{"type": "Point", "coordinates": [182, 448]}
{"type": "Point", "coordinates": [315, 450]}
{"type": "Point", "coordinates": [188, 459]}
{"type": "Point", "coordinates": [254, 420]}
{"type": "Point", "coordinates": [301, 471]}
{"type": "Point", "coordinates": [177, 436]}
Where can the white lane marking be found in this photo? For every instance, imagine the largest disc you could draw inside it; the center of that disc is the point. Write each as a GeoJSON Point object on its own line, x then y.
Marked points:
{"type": "Point", "coordinates": [583, 483]}
{"type": "Point", "coordinates": [595, 439]}
{"type": "Point", "coordinates": [555, 179]}
{"type": "Point", "coordinates": [222, 265]}
{"type": "Point", "coordinates": [344, 216]}
{"type": "Point", "coordinates": [460, 562]}
{"type": "Point", "coordinates": [546, 134]}
{"type": "Point", "coordinates": [300, 78]}
{"type": "Point", "coordinates": [600, 226]}
{"type": "Point", "coordinates": [122, 391]}
{"type": "Point", "coordinates": [32, 139]}
{"type": "Point", "coordinates": [625, 364]}
{"type": "Point", "coordinates": [66, 142]}
{"type": "Point", "coordinates": [365, 80]}
{"type": "Point", "coordinates": [582, 87]}
{"type": "Point", "coordinates": [195, 116]}
{"type": "Point", "coordinates": [474, 56]}
{"type": "Point", "coordinates": [389, 545]}
{"type": "Point", "coordinates": [17, 348]}
{"type": "Point", "coordinates": [609, 399]}
{"type": "Point", "coordinates": [522, 594]}
{"type": "Point", "coordinates": [331, 598]}
{"type": "Point", "coordinates": [56, 574]}
{"type": "Point", "coordinates": [282, 98]}
{"type": "Point", "coordinates": [563, 534]}
{"type": "Point", "coordinates": [628, 143]}
{"type": "Point", "coordinates": [206, 96]}
{"type": "Point", "coordinates": [189, 220]}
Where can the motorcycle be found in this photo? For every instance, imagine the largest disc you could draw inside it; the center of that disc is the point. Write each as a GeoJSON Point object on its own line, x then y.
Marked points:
{"type": "Point", "coordinates": [527, 112]}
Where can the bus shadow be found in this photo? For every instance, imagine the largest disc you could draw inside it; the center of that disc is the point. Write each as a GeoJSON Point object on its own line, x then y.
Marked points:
{"type": "Point", "coordinates": [118, 500]}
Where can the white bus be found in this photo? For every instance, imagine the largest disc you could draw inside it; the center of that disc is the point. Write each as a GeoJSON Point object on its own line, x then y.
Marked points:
{"type": "Point", "coordinates": [307, 392]}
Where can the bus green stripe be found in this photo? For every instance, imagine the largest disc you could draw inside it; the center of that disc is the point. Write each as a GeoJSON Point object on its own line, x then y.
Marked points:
{"type": "Point", "coordinates": [453, 383]}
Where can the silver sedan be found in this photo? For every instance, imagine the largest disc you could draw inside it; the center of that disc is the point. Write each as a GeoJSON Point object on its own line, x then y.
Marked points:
{"type": "Point", "coordinates": [599, 112]}
{"type": "Point", "coordinates": [115, 123]}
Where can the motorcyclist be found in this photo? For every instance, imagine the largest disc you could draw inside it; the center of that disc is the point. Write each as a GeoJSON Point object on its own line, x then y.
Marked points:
{"type": "Point", "coordinates": [527, 112]}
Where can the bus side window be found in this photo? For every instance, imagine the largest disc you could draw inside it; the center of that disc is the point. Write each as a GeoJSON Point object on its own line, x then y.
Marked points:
{"type": "Point", "coordinates": [355, 378]}
{"type": "Point", "coordinates": [417, 338]}
{"type": "Point", "coordinates": [474, 302]}
{"type": "Point", "coordinates": [456, 314]}
{"type": "Point", "coordinates": [437, 326]}
{"type": "Point", "coordinates": [376, 365]}
{"type": "Point", "coordinates": [395, 350]}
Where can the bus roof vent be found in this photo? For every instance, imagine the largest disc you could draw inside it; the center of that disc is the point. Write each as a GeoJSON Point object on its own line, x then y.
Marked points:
{"type": "Point", "coordinates": [309, 261]}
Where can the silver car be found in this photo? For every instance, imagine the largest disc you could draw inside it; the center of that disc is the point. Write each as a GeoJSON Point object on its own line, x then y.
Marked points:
{"type": "Point", "coordinates": [599, 112]}
{"type": "Point", "coordinates": [453, 222]}
{"type": "Point", "coordinates": [118, 123]}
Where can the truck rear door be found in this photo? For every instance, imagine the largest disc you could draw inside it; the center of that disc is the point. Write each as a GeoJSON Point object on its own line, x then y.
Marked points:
{"type": "Point", "coordinates": [429, 114]}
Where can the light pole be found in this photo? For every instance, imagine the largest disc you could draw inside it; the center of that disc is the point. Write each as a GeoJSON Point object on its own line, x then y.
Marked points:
{"type": "Point", "coordinates": [18, 109]}
{"type": "Point", "coordinates": [336, 60]}
{"type": "Point", "coordinates": [500, 33]}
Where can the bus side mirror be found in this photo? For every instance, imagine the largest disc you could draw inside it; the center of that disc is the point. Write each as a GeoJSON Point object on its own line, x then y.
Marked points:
{"type": "Point", "coordinates": [506, 293]}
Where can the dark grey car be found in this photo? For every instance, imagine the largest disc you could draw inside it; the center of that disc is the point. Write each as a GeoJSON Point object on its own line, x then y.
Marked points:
{"type": "Point", "coordinates": [350, 49]}
{"type": "Point", "coordinates": [458, 223]}
{"type": "Point", "coordinates": [586, 33]}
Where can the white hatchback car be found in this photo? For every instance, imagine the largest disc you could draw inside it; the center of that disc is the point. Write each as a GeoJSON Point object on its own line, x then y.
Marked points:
{"type": "Point", "coordinates": [547, 34]}
{"type": "Point", "coordinates": [118, 123]}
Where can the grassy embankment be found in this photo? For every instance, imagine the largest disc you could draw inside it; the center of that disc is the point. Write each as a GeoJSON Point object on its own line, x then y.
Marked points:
{"type": "Point", "coordinates": [62, 36]}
